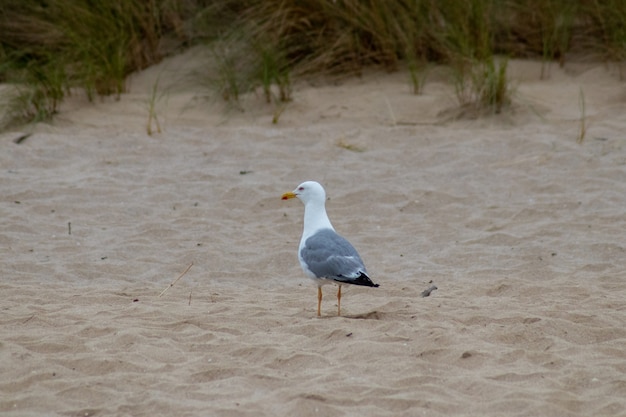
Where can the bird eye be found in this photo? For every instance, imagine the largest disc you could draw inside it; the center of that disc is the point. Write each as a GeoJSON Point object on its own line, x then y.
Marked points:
{"type": "Point", "coordinates": [300, 188]}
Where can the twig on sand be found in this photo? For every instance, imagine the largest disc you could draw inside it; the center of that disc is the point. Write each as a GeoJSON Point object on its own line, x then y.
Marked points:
{"type": "Point", "coordinates": [22, 138]}
{"type": "Point", "coordinates": [176, 280]}
{"type": "Point", "coordinates": [427, 292]}
{"type": "Point", "coordinates": [583, 125]}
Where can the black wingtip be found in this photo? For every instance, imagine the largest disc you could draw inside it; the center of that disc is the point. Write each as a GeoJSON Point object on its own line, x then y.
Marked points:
{"type": "Point", "coordinates": [364, 280]}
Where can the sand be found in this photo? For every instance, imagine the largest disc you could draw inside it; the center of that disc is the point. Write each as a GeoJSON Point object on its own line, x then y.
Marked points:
{"type": "Point", "coordinates": [521, 228]}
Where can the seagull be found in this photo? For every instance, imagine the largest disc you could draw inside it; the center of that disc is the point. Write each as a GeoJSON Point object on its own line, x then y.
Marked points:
{"type": "Point", "coordinates": [325, 256]}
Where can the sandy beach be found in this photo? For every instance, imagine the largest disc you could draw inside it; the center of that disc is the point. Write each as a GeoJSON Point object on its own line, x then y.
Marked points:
{"type": "Point", "coordinates": [520, 227]}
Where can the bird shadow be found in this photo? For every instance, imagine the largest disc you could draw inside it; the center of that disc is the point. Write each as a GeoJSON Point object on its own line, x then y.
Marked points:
{"type": "Point", "coordinates": [372, 315]}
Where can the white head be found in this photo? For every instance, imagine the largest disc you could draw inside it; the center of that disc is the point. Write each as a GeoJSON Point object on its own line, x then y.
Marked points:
{"type": "Point", "coordinates": [313, 196]}
{"type": "Point", "coordinates": [308, 191]}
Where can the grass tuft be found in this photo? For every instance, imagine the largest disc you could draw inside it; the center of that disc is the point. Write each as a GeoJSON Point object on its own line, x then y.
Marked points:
{"type": "Point", "coordinates": [51, 48]}
{"type": "Point", "coordinates": [607, 29]}
{"type": "Point", "coordinates": [483, 88]}
{"type": "Point", "coordinates": [153, 118]}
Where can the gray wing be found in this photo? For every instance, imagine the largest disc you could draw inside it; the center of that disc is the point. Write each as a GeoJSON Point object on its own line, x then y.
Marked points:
{"type": "Point", "coordinates": [329, 255]}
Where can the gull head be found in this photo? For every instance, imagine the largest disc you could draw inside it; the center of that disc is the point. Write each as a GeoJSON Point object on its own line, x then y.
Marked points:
{"type": "Point", "coordinates": [306, 192]}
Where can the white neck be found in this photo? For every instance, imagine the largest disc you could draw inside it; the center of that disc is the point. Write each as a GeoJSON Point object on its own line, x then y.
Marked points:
{"type": "Point", "coordinates": [315, 218]}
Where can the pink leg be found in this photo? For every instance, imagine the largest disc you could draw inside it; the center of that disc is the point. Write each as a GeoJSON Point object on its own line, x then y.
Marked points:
{"type": "Point", "coordinates": [319, 301]}
{"type": "Point", "coordinates": [339, 301]}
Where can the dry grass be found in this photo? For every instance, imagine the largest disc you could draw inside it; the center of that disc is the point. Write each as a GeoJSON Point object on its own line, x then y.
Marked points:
{"type": "Point", "coordinates": [50, 48]}
{"type": "Point", "coordinates": [583, 126]}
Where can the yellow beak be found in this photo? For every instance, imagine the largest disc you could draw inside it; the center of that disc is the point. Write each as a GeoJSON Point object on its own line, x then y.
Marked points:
{"type": "Point", "coordinates": [288, 195]}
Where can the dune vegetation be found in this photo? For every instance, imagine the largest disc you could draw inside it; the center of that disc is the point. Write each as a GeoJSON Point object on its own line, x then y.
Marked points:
{"type": "Point", "coordinates": [51, 49]}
